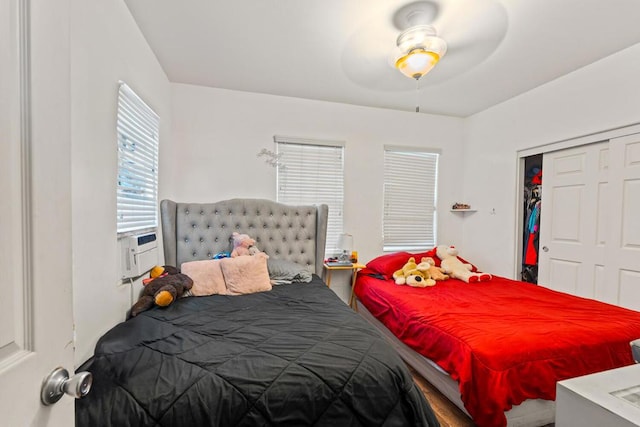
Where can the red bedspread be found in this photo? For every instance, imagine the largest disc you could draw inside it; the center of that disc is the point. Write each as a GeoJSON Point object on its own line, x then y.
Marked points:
{"type": "Point", "coordinates": [503, 341]}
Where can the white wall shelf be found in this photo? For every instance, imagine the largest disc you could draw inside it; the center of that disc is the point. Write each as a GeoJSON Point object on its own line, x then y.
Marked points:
{"type": "Point", "coordinates": [463, 210]}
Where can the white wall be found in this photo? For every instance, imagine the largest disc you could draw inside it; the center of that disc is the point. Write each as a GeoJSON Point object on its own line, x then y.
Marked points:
{"type": "Point", "coordinates": [217, 134]}
{"type": "Point", "coordinates": [210, 138]}
{"type": "Point", "coordinates": [106, 46]}
{"type": "Point", "coordinates": [598, 97]}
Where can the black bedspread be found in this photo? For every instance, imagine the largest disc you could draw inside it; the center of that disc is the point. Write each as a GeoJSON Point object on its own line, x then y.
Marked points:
{"type": "Point", "coordinates": [293, 356]}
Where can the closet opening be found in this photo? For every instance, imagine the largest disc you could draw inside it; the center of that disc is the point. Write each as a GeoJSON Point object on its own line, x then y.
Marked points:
{"type": "Point", "coordinates": [532, 198]}
{"type": "Point", "coordinates": [577, 245]}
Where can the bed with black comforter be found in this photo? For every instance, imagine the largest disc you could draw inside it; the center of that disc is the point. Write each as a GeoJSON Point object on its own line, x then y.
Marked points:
{"type": "Point", "coordinates": [292, 356]}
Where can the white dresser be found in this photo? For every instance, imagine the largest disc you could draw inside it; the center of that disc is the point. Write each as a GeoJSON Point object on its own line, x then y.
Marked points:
{"type": "Point", "coordinates": [610, 398]}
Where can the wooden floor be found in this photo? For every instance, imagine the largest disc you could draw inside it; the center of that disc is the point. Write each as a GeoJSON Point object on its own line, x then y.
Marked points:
{"type": "Point", "coordinates": [448, 414]}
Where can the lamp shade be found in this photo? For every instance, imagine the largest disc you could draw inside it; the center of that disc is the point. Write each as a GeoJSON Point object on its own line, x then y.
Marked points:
{"type": "Point", "coordinates": [417, 63]}
{"type": "Point", "coordinates": [421, 49]}
{"type": "Point", "coordinates": [345, 242]}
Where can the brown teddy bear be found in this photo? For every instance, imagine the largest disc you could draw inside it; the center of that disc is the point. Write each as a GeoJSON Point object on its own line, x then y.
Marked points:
{"type": "Point", "coordinates": [162, 288]}
{"type": "Point", "coordinates": [159, 271]}
{"type": "Point", "coordinates": [429, 264]}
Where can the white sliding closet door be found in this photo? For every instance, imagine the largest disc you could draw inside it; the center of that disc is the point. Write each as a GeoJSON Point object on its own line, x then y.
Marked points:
{"type": "Point", "coordinates": [623, 247]}
{"type": "Point", "coordinates": [574, 220]}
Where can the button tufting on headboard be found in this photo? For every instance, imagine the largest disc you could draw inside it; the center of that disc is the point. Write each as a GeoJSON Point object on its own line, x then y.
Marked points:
{"type": "Point", "coordinates": [296, 233]}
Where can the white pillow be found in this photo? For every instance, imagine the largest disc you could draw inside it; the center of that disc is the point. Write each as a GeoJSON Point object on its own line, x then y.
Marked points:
{"type": "Point", "coordinates": [283, 271]}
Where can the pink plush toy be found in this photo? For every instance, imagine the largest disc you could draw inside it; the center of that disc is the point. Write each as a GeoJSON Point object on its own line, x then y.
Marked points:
{"type": "Point", "coordinates": [452, 266]}
{"type": "Point", "coordinates": [243, 245]}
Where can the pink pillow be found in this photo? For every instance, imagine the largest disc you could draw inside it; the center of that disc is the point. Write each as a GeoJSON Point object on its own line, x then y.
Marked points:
{"type": "Point", "coordinates": [246, 274]}
{"type": "Point", "coordinates": [206, 275]}
{"type": "Point", "coordinates": [387, 264]}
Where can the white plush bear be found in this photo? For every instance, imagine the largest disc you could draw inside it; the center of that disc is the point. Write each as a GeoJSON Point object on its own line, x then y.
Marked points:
{"type": "Point", "coordinates": [456, 268]}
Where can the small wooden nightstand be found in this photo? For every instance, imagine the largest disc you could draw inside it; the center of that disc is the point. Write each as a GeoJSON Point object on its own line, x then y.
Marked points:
{"type": "Point", "coordinates": [355, 267]}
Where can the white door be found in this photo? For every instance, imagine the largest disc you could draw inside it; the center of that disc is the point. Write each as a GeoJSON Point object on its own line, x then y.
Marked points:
{"type": "Point", "coordinates": [36, 324]}
{"type": "Point", "coordinates": [623, 252]}
{"type": "Point", "coordinates": [573, 220]}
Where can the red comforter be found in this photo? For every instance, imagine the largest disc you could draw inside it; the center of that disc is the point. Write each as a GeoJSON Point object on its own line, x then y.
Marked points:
{"type": "Point", "coordinates": [504, 341]}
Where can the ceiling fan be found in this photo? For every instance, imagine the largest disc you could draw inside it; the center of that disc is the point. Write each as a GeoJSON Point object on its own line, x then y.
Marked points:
{"type": "Point", "coordinates": [455, 34]}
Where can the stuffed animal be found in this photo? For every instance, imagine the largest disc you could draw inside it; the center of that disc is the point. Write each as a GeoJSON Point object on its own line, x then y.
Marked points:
{"type": "Point", "coordinates": [455, 268]}
{"type": "Point", "coordinates": [159, 271]}
{"type": "Point", "coordinates": [410, 275]}
{"type": "Point", "coordinates": [429, 264]}
{"type": "Point", "coordinates": [400, 275]}
{"type": "Point", "coordinates": [162, 290]}
{"type": "Point", "coordinates": [419, 279]}
{"type": "Point", "coordinates": [243, 245]}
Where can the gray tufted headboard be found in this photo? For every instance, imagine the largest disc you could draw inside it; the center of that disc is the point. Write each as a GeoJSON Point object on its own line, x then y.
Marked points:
{"type": "Point", "coordinates": [198, 231]}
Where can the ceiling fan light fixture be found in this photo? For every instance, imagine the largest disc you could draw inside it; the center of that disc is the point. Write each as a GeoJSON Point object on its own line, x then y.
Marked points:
{"type": "Point", "coordinates": [421, 50]}
{"type": "Point", "coordinates": [417, 63]}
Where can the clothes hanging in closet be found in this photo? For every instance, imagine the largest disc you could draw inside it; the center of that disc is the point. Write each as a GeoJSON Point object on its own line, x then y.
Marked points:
{"type": "Point", "coordinates": [531, 225]}
{"type": "Point", "coordinates": [533, 229]}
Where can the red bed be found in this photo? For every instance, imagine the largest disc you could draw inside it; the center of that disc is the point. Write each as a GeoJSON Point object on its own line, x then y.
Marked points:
{"type": "Point", "coordinates": [503, 341]}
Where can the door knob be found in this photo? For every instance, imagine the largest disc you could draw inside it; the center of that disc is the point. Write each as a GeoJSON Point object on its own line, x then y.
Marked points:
{"type": "Point", "coordinates": [545, 249]}
{"type": "Point", "coordinates": [58, 383]}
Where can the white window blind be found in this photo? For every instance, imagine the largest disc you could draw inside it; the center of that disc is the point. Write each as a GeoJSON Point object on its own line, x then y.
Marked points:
{"type": "Point", "coordinates": [312, 172]}
{"type": "Point", "coordinates": [138, 135]}
{"type": "Point", "coordinates": [410, 183]}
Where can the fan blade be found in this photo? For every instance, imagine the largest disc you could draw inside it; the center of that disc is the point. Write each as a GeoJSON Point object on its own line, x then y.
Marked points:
{"type": "Point", "coordinates": [473, 30]}
{"type": "Point", "coordinates": [483, 23]}
{"type": "Point", "coordinates": [368, 61]}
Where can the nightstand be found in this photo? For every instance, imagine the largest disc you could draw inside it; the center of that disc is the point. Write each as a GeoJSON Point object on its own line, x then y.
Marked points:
{"type": "Point", "coordinates": [355, 267]}
{"type": "Point", "coordinates": [609, 398]}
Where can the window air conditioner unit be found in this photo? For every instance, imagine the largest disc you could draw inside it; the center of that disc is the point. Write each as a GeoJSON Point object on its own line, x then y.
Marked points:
{"type": "Point", "coordinates": [139, 254]}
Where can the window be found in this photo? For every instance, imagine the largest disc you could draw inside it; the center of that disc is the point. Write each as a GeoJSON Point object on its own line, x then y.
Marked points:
{"type": "Point", "coordinates": [138, 136]}
{"type": "Point", "coordinates": [312, 172]}
{"type": "Point", "coordinates": [410, 183]}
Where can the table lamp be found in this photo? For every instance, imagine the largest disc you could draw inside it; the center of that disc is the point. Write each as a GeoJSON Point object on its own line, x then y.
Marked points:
{"type": "Point", "coordinates": [345, 243]}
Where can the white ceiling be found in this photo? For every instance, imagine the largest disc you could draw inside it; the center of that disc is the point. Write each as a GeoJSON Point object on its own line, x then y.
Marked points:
{"type": "Point", "coordinates": [338, 50]}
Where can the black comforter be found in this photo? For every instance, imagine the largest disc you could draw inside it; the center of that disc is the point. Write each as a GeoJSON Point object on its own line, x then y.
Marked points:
{"type": "Point", "coordinates": [293, 356]}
